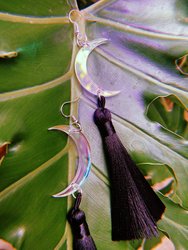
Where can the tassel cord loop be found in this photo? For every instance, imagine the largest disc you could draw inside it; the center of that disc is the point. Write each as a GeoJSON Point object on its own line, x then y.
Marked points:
{"type": "Point", "coordinates": [77, 201]}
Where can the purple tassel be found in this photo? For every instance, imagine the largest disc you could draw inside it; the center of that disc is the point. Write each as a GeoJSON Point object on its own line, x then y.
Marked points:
{"type": "Point", "coordinates": [82, 239]}
{"type": "Point", "coordinates": [135, 208]}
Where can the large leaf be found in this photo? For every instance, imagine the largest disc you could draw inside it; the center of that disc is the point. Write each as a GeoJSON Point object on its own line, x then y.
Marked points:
{"type": "Point", "coordinates": [145, 39]}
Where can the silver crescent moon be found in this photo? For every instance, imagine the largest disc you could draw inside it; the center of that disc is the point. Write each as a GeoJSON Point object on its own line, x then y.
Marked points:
{"type": "Point", "coordinates": [81, 69]}
{"type": "Point", "coordinates": [84, 158]}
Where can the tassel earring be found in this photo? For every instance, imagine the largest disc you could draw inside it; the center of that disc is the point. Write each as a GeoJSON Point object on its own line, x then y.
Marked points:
{"type": "Point", "coordinates": [135, 208]}
{"type": "Point", "coordinates": [82, 239]}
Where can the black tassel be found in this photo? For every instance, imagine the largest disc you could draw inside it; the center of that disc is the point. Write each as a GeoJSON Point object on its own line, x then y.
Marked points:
{"type": "Point", "coordinates": [135, 208]}
{"type": "Point", "coordinates": [82, 239]}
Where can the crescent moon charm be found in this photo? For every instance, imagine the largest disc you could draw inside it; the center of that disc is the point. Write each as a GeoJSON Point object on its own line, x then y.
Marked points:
{"type": "Point", "coordinates": [84, 158]}
{"type": "Point", "coordinates": [81, 69]}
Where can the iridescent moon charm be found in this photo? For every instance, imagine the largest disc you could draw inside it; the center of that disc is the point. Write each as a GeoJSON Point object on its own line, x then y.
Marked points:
{"type": "Point", "coordinates": [84, 158]}
{"type": "Point", "coordinates": [81, 69]}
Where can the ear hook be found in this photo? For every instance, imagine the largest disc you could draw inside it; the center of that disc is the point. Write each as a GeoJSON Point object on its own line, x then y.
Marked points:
{"type": "Point", "coordinates": [81, 38]}
{"type": "Point", "coordinates": [74, 120]}
{"type": "Point", "coordinates": [74, 21]}
{"type": "Point", "coordinates": [71, 13]}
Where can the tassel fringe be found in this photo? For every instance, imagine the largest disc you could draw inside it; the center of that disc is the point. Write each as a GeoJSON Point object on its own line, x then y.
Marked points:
{"type": "Point", "coordinates": [135, 208]}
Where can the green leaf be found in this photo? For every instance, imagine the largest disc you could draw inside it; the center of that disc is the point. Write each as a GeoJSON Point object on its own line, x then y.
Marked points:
{"type": "Point", "coordinates": [174, 224]}
{"type": "Point", "coordinates": [37, 53]}
{"type": "Point", "coordinates": [164, 109]}
{"type": "Point", "coordinates": [161, 242]}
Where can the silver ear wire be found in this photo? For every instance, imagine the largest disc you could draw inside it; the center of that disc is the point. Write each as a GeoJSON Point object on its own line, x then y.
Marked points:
{"type": "Point", "coordinates": [65, 103]}
{"type": "Point", "coordinates": [76, 28]}
{"type": "Point", "coordinates": [75, 121]}
{"type": "Point", "coordinates": [71, 13]}
{"type": "Point", "coordinates": [81, 39]}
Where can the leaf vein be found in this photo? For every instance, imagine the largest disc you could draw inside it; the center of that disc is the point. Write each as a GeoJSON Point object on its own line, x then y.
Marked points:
{"type": "Point", "coordinates": [18, 184]}
{"type": "Point", "coordinates": [136, 31]}
{"type": "Point", "coordinates": [36, 89]}
{"type": "Point", "coordinates": [32, 20]}
{"type": "Point", "coordinates": [141, 74]}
